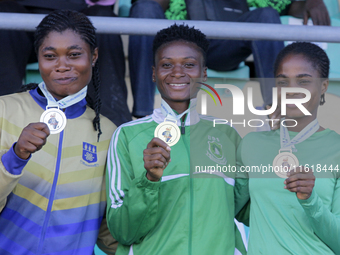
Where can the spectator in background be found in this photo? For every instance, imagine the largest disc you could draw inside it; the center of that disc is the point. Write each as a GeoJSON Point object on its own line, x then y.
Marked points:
{"type": "Point", "coordinates": [223, 55]}
{"type": "Point", "coordinates": [16, 50]}
{"type": "Point", "coordinates": [314, 9]}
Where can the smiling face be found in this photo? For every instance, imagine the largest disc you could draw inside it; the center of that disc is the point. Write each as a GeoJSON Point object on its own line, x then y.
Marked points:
{"type": "Point", "coordinates": [297, 71]}
{"type": "Point", "coordinates": [176, 64]}
{"type": "Point", "coordinates": [65, 63]}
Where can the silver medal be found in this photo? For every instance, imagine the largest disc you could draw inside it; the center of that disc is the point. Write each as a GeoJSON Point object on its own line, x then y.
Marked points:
{"type": "Point", "coordinates": [55, 120]}
{"type": "Point", "coordinates": [284, 162]}
{"type": "Point", "coordinates": [168, 132]}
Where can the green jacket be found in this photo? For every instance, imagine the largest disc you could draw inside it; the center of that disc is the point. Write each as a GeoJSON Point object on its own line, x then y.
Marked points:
{"type": "Point", "coordinates": [187, 212]}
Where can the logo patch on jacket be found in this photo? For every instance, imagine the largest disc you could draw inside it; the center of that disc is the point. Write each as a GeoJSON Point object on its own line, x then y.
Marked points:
{"type": "Point", "coordinates": [89, 152]}
{"type": "Point", "coordinates": [215, 152]}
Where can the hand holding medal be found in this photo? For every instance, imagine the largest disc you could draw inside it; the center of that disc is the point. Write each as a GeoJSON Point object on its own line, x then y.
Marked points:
{"type": "Point", "coordinates": [32, 138]}
{"type": "Point", "coordinates": [156, 158]}
{"type": "Point", "coordinates": [300, 180]}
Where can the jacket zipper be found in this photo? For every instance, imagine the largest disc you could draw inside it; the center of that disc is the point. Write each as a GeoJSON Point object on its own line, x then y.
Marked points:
{"type": "Point", "coordinates": [51, 198]}
{"type": "Point", "coordinates": [191, 191]}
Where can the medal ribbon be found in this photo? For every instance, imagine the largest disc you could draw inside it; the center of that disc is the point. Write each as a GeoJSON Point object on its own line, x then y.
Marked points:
{"type": "Point", "coordinates": [65, 102]}
{"type": "Point", "coordinates": [171, 115]}
{"type": "Point", "coordinates": [304, 134]}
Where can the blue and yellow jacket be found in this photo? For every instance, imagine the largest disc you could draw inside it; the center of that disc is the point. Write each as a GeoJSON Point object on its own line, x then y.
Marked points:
{"type": "Point", "coordinates": [54, 202]}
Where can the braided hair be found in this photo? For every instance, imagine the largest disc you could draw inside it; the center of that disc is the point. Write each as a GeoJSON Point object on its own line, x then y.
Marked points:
{"type": "Point", "coordinates": [313, 53]}
{"type": "Point", "coordinates": [59, 21]}
{"type": "Point", "coordinates": [181, 33]}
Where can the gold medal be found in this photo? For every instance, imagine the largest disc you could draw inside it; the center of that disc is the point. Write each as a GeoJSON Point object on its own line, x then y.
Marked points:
{"type": "Point", "coordinates": [168, 132]}
{"type": "Point", "coordinates": [55, 120]}
{"type": "Point", "coordinates": [284, 162]}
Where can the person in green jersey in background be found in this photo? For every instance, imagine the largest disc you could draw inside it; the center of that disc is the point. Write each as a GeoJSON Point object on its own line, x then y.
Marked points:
{"type": "Point", "coordinates": [154, 204]}
{"type": "Point", "coordinates": [299, 214]}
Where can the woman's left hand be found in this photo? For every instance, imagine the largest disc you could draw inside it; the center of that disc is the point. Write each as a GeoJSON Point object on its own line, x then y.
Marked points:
{"type": "Point", "coordinates": [300, 180]}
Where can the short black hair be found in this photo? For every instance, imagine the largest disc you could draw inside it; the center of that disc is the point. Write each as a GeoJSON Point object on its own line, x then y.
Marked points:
{"type": "Point", "coordinates": [181, 33]}
{"type": "Point", "coordinates": [313, 53]}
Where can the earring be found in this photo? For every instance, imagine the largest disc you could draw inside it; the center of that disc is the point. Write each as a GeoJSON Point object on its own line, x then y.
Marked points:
{"type": "Point", "coordinates": [93, 64]}
{"type": "Point", "coordinates": [153, 79]}
{"type": "Point", "coordinates": [322, 101]}
{"type": "Point", "coordinates": [205, 79]}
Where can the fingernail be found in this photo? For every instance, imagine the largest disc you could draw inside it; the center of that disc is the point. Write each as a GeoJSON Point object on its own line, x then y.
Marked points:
{"type": "Point", "coordinates": [285, 182]}
{"type": "Point", "coordinates": [168, 148]}
{"type": "Point", "coordinates": [285, 187]}
{"type": "Point", "coordinates": [170, 160]}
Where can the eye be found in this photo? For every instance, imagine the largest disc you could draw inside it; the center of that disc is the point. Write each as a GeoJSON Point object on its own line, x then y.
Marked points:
{"type": "Point", "coordinates": [304, 82]}
{"type": "Point", "coordinates": [166, 65]}
{"type": "Point", "coordinates": [75, 54]}
{"type": "Point", "coordinates": [189, 65]}
{"type": "Point", "coordinates": [49, 56]}
{"type": "Point", "coordinates": [282, 83]}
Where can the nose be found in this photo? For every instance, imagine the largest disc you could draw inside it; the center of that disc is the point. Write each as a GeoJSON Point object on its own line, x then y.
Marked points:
{"type": "Point", "coordinates": [62, 65]}
{"type": "Point", "coordinates": [177, 71]}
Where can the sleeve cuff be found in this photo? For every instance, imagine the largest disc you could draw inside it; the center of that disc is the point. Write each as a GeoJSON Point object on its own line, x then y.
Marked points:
{"type": "Point", "coordinates": [312, 206]}
{"type": "Point", "coordinates": [309, 201]}
{"type": "Point", "coordinates": [146, 183]}
{"type": "Point", "coordinates": [13, 164]}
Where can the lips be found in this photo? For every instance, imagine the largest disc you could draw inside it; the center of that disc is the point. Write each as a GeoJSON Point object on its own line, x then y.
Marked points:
{"type": "Point", "coordinates": [178, 85]}
{"type": "Point", "coordinates": [65, 80]}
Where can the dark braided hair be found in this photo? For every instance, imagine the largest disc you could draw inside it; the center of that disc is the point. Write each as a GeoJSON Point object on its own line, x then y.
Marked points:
{"type": "Point", "coordinates": [59, 21]}
{"type": "Point", "coordinates": [181, 33]}
{"type": "Point", "coordinates": [313, 53]}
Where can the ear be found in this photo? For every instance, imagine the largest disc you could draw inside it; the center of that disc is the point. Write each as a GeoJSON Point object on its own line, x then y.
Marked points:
{"type": "Point", "coordinates": [94, 56]}
{"type": "Point", "coordinates": [205, 76]}
{"type": "Point", "coordinates": [324, 86]}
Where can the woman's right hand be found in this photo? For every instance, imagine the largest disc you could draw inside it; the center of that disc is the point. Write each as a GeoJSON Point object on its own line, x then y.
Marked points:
{"type": "Point", "coordinates": [156, 157]}
{"type": "Point", "coordinates": [32, 138]}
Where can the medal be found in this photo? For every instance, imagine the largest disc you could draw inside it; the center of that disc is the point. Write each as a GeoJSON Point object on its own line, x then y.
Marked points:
{"type": "Point", "coordinates": [55, 119]}
{"type": "Point", "coordinates": [284, 162]}
{"type": "Point", "coordinates": [168, 132]}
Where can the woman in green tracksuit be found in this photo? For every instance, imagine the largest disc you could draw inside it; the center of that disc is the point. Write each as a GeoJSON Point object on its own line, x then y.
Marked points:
{"type": "Point", "coordinates": [156, 203]}
{"type": "Point", "coordinates": [300, 212]}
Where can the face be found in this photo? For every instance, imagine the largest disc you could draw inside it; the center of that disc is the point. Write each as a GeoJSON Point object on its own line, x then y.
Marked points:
{"type": "Point", "coordinates": [176, 64]}
{"type": "Point", "coordinates": [297, 71]}
{"type": "Point", "coordinates": [65, 63]}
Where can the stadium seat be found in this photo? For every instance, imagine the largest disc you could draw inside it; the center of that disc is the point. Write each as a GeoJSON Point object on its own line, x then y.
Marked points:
{"type": "Point", "coordinates": [332, 49]}
{"type": "Point", "coordinates": [124, 8]}
{"type": "Point", "coordinates": [237, 77]}
{"type": "Point", "coordinates": [32, 73]}
{"type": "Point", "coordinates": [98, 251]}
{"type": "Point", "coordinates": [333, 8]}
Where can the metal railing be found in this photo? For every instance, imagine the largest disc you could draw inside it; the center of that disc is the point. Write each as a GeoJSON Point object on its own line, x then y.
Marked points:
{"type": "Point", "coordinates": [213, 29]}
